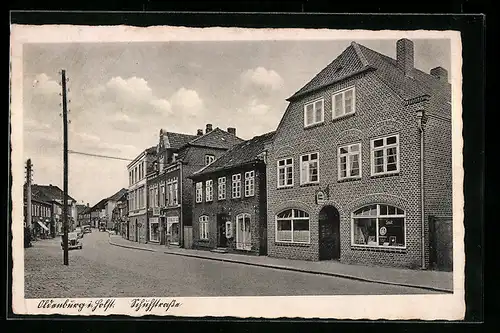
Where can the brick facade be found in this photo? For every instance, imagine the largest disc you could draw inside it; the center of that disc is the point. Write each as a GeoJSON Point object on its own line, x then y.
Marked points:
{"type": "Point", "coordinates": [379, 111]}
{"type": "Point", "coordinates": [254, 206]}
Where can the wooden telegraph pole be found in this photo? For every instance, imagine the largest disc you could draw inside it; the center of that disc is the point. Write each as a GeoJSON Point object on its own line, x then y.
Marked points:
{"type": "Point", "coordinates": [29, 222]}
{"type": "Point", "coordinates": [65, 160]}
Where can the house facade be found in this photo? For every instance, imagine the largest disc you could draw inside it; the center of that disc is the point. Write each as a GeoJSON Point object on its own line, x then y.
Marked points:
{"type": "Point", "coordinates": [137, 195]}
{"type": "Point", "coordinates": [169, 191]}
{"type": "Point", "coordinates": [361, 161]}
{"type": "Point", "coordinates": [229, 210]}
{"type": "Point", "coordinates": [110, 205]}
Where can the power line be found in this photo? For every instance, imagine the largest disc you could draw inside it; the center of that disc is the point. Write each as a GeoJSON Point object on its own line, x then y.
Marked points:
{"type": "Point", "coordinates": [101, 156]}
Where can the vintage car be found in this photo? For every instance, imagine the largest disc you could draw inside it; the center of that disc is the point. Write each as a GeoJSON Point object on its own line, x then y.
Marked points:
{"type": "Point", "coordinates": [87, 229]}
{"type": "Point", "coordinates": [102, 226]}
{"type": "Point", "coordinates": [74, 241]}
{"type": "Point", "coordinates": [79, 231]}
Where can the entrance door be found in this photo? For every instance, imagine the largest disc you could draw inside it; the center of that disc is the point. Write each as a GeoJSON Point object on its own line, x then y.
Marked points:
{"type": "Point", "coordinates": [221, 230]}
{"type": "Point", "coordinates": [243, 234]}
{"type": "Point", "coordinates": [136, 231]}
{"type": "Point", "coordinates": [329, 233]}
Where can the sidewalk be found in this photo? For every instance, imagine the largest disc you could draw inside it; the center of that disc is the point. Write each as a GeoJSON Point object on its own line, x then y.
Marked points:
{"type": "Point", "coordinates": [430, 280]}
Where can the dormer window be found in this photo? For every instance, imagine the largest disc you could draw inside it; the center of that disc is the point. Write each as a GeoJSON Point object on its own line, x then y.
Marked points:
{"type": "Point", "coordinates": [174, 157]}
{"type": "Point", "coordinates": [343, 103]}
{"type": "Point", "coordinates": [209, 159]}
{"type": "Point", "coordinates": [314, 112]}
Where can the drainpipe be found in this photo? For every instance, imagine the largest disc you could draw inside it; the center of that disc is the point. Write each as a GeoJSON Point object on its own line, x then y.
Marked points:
{"type": "Point", "coordinates": [421, 122]}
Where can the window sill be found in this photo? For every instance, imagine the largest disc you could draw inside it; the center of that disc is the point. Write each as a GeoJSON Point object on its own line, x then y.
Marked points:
{"type": "Point", "coordinates": [346, 180]}
{"type": "Point", "coordinates": [306, 127]}
{"type": "Point", "coordinates": [284, 187]}
{"type": "Point", "coordinates": [345, 116]}
{"type": "Point", "coordinates": [309, 184]}
{"type": "Point", "coordinates": [278, 243]}
{"type": "Point", "coordinates": [378, 248]}
{"type": "Point", "coordinates": [383, 175]}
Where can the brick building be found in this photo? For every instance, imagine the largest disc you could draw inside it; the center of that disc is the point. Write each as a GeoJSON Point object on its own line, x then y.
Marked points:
{"type": "Point", "coordinates": [177, 157]}
{"type": "Point", "coordinates": [137, 195]}
{"type": "Point", "coordinates": [229, 212]}
{"type": "Point", "coordinates": [361, 162]}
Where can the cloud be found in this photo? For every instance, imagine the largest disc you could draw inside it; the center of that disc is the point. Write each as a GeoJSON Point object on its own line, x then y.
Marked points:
{"type": "Point", "coordinates": [187, 101]}
{"type": "Point", "coordinates": [254, 108]}
{"type": "Point", "coordinates": [44, 85]}
{"type": "Point", "coordinates": [262, 78]}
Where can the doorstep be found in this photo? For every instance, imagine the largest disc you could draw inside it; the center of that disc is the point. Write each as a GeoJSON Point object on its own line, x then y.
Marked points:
{"type": "Point", "coordinates": [422, 279]}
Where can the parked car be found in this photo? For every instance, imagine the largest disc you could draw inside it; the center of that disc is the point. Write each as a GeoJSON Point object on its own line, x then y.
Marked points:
{"type": "Point", "coordinates": [79, 231]}
{"type": "Point", "coordinates": [87, 229]}
{"type": "Point", "coordinates": [74, 241]}
{"type": "Point", "coordinates": [102, 226]}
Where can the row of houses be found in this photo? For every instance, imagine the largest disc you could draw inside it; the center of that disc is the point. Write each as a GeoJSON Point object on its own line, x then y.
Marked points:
{"type": "Point", "coordinates": [110, 211]}
{"type": "Point", "coordinates": [358, 170]}
{"type": "Point", "coordinates": [47, 210]}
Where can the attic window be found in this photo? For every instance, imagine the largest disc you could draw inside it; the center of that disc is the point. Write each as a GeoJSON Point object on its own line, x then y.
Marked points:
{"type": "Point", "coordinates": [338, 69]}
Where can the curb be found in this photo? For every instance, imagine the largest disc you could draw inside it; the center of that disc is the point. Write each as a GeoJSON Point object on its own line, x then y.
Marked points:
{"type": "Point", "coordinates": [287, 268]}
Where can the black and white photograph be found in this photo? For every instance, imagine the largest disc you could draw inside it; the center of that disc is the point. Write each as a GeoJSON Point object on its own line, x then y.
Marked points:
{"type": "Point", "coordinates": [237, 172]}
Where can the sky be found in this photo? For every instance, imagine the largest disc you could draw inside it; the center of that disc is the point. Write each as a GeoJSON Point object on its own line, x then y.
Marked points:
{"type": "Point", "coordinates": [122, 94]}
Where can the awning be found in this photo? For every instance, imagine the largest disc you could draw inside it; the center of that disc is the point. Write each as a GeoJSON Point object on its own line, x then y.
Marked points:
{"type": "Point", "coordinates": [43, 225]}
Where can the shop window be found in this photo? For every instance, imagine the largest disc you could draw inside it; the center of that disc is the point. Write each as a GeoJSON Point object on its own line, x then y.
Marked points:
{"type": "Point", "coordinates": [379, 226]}
{"type": "Point", "coordinates": [292, 226]}
{"type": "Point", "coordinates": [154, 230]}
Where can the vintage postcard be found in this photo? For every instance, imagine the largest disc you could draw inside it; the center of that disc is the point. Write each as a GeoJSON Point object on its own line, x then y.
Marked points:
{"type": "Point", "coordinates": [249, 173]}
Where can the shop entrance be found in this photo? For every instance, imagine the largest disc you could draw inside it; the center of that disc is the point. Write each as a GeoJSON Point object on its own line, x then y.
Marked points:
{"type": "Point", "coordinates": [136, 231]}
{"type": "Point", "coordinates": [329, 233]}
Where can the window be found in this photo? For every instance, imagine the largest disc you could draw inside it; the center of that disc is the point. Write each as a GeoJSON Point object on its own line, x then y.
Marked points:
{"type": "Point", "coordinates": [349, 161]}
{"type": "Point", "coordinates": [385, 155]}
{"type": "Point", "coordinates": [209, 159]}
{"type": "Point", "coordinates": [176, 193]}
{"type": "Point", "coordinates": [343, 103]}
{"type": "Point", "coordinates": [154, 230]}
{"type": "Point", "coordinates": [204, 227]}
{"type": "Point", "coordinates": [199, 192]}
{"type": "Point", "coordinates": [243, 233]}
{"type": "Point", "coordinates": [313, 113]}
{"type": "Point", "coordinates": [292, 226]}
{"type": "Point", "coordinates": [162, 162]}
{"type": "Point", "coordinates": [379, 226]}
{"type": "Point", "coordinates": [222, 188]}
{"type": "Point", "coordinates": [249, 183]}
{"type": "Point", "coordinates": [162, 195]}
{"type": "Point", "coordinates": [209, 190]}
{"type": "Point", "coordinates": [285, 172]}
{"type": "Point", "coordinates": [236, 188]}
{"type": "Point", "coordinates": [309, 168]}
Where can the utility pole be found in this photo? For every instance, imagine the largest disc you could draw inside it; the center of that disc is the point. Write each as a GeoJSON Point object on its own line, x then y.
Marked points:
{"type": "Point", "coordinates": [29, 167]}
{"type": "Point", "coordinates": [65, 161]}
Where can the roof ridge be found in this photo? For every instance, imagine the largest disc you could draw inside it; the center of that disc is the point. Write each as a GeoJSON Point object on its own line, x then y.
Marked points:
{"type": "Point", "coordinates": [359, 53]}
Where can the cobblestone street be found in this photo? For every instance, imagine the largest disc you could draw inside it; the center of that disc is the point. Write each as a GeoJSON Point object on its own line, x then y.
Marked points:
{"type": "Point", "coordinates": [102, 270]}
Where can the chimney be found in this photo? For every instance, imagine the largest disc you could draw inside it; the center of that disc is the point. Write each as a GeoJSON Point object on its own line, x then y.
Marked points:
{"type": "Point", "coordinates": [88, 204]}
{"type": "Point", "coordinates": [200, 132]}
{"type": "Point", "coordinates": [404, 56]}
{"type": "Point", "coordinates": [208, 128]}
{"type": "Point", "coordinates": [231, 130]}
{"type": "Point", "coordinates": [440, 73]}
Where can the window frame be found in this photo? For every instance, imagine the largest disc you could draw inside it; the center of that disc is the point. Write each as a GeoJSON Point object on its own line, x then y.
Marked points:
{"type": "Point", "coordinates": [236, 181]}
{"type": "Point", "coordinates": [240, 246]}
{"type": "Point", "coordinates": [284, 167]}
{"type": "Point", "coordinates": [250, 184]}
{"type": "Point", "coordinates": [343, 92]}
{"type": "Point", "coordinates": [209, 190]}
{"type": "Point", "coordinates": [221, 193]}
{"type": "Point", "coordinates": [302, 182]}
{"type": "Point", "coordinates": [199, 192]}
{"type": "Point", "coordinates": [377, 217]}
{"type": "Point", "coordinates": [347, 155]}
{"type": "Point", "coordinates": [203, 220]}
{"type": "Point", "coordinates": [209, 159]}
{"type": "Point", "coordinates": [150, 229]}
{"type": "Point", "coordinates": [292, 219]}
{"type": "Point", "coordinates": [384, 149]}
{"type": "Point", "coordinates": [313, 103]}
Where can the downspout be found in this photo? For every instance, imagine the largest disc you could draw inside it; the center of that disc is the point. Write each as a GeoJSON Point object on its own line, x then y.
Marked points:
{"type": "Point", "coordinates": [420, 122]}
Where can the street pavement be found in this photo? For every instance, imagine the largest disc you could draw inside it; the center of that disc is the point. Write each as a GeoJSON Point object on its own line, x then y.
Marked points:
{"type": "Point", "coordinates": [103, 270]}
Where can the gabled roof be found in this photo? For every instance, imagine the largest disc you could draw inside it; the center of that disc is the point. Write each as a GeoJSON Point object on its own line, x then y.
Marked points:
{"type": "Point", "coordinates": [358, 58]}
{"type": "Point", "coordinates": [118, 195]}
{"type": "Point", "coordinates": [81, 208]}
{"type": "Point", "coordinates": [216, 138]}
{"type": "Point", "coordinates": [174, 140]}
{"type": "Point", "coordinates": [240, 154]}
{"type": "Point", "coordinates": [100, 205]}
{"type": "Point", "coordinates": [49, 192]}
